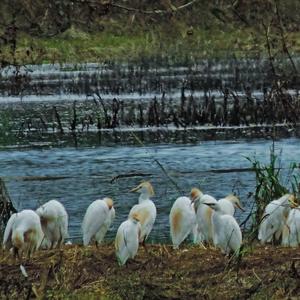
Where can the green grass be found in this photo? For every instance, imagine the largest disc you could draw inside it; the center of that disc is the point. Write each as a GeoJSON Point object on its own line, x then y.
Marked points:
{"type": "Point", "coordinates": [176, 45]}
{"type": "Point", "coordinates": [272, 182]}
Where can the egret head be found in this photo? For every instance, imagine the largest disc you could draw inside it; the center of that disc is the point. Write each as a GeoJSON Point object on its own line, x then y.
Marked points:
{"type": "Point", "coordinates": [144, 188]}
{"type": "Point", "coordinates": [109, 202]}
{"type": "Point", "coordinates": [212, 203]}
{"type": "Point", "coordinates": [292, 201]}
{"type": "Point", "coordinates": [235, 201]}
{"type": "Point", "coordinates": [135, 217]}
{"type": "Point", "coordinates": [195, 194]}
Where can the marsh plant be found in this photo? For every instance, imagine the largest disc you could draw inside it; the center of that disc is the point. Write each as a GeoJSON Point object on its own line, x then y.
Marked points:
{"type": "Point", "coordinates": [273, 180]}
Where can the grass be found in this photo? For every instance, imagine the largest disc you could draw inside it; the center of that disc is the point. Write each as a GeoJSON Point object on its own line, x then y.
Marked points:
{"type": "Point", "coordinates": [272, 182]}
{"type": "Point", "coordinates": [77, 272]}
{"type": "Point", "coordinates": [177, 46]}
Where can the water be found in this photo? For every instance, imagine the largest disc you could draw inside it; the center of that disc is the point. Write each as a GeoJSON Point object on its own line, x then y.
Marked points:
{"type": "Point", "coordinates": [78, 176]}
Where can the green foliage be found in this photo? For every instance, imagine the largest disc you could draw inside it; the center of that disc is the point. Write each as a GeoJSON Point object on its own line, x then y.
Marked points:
{"type": "Point", "coordinates": [271, 183]}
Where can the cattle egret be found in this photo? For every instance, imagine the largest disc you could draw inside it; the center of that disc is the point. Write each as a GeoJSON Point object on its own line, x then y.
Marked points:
{"type": "Point", "coordinates": [98, 218]}
{"type": "Point", "coordinates": [291, 231]}
{"type": "Point", "coordinates": [127, 239]}
{"type": "Point", "coordinates": [229, 203]}
{"type": "Point", "coordinates": [182, 220]}
{"type": "Point", "coordinates": [274, 218]}
{"type": "Point", "coordinates": [54, 220]}
{"type": "Point", "coordinates": [227, 234]}
{"type": "Point", "coordinates": [23, 233]}
{"type": "Point", "coordinates": [145, 210]}
{"type": "Point", "coordinates": [203, 216]}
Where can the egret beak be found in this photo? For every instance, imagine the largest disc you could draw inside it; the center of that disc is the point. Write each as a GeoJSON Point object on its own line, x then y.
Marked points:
{"type": "Point", "coordinates": [238, 205]}
{"type": "Point", "coordinates": [135, 189]}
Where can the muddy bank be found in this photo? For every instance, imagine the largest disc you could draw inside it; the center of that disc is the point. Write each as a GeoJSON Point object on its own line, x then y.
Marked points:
{"type": "Point", "coordinates": [160, 273]}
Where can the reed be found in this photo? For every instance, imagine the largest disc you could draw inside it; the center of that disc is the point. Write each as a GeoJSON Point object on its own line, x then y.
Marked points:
{"type": "Point", "coordinates": [272, 182]}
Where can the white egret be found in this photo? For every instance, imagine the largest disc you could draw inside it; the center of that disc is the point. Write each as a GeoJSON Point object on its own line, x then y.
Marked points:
{"type": "Point", "coordinates": [291, 231]}
{"type": "Point", "coordinates": [229, 203]}
{"type": "Point", "coordinates": [227, 234]}
{"type": "Point", "coordinates": [145, 210]}
{"type": "Point", "coordinates": [98, 218]}
{"type": "Point", "coordinates": [182, 220]}
{"type": "Point", "coordinates": [127, 239]}
{"type": "Point", "coordinates": [203, 216]}
{"type": "Point", "coordinates": [54, 220]}
{"type": "Point", "coordinates": [274, 218]}
{"type": "Point", "coordinates": [23, 233]}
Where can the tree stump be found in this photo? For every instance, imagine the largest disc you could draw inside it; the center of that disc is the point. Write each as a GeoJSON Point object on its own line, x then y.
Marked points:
{"type": "Point", "coordinates": [6, 206]}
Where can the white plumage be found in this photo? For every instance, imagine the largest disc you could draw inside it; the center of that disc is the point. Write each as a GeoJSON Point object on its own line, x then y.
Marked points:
{"type": "Point", "coordinates": [227, 234]}
{"type": "Point", "coordinates": [291, 231]}
{"type": "Point", "coordinates": [182, 220]}
{"type": "Point", "coordinates": [54, 220]}
{"type": "Point", "coordinates": [274, 218]}
{"type": "Point", "coordinates": [23, 232]}
{"type": "Point", "coordinates": [145, 210]}
{"type": "Point", "coordinates": [229, 203]}
{"type": "Point", "coordinates": [127, 239]}
{"type": "Point", "coordinates": [203, 216]}
{"type": "Point", "coordinates": [98, 218]}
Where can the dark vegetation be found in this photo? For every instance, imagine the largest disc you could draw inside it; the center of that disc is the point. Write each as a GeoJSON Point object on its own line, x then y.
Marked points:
{"type": "Point", "coordinates": [177, 32]}
{"type": "Point", "coordinates": [181, 30]}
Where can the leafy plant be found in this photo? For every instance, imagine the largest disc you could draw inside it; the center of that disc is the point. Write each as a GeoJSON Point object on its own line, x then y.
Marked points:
{"type": "Point", "coordinates": [272, 183]}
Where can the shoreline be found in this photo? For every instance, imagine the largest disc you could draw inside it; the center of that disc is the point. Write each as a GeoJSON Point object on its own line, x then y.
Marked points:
{"type": "Point", "coordinates": [158, 273]}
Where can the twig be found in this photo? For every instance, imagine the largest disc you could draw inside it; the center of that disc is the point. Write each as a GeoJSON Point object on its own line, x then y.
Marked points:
{"type": "Point", "coordinates": [129, 175]}
{"type": "Point", "coordinates": [156, 11]}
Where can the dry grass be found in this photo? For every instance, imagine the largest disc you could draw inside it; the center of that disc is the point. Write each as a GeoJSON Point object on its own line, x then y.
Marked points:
{"type": "Point", "coordinates": [159, 273]}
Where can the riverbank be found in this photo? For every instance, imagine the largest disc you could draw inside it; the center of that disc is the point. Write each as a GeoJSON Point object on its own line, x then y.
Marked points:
{"type": "Point", "coordinates": [142, 32]}
{"type": "Point", "coordinates": [160, 273]}
{"type": "Point", "coordinates": [156, 47]}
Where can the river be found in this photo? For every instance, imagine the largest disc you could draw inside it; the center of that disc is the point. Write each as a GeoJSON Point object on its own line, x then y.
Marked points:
{"type": "Point", "coordinates": [78, 176]}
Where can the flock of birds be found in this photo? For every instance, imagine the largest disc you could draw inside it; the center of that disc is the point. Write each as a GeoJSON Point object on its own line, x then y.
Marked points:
{"type": "Point", "coordinates": [208, 220]}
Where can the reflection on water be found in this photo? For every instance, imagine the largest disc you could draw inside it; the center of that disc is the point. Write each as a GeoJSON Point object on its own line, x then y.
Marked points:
{"type": "Point", "coordinates": [85, 174]}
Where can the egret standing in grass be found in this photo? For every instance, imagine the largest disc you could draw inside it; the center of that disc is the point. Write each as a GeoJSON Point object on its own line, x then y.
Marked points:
{"type": "Point", "coordinates": [23, 233]}
{"type": "Point", "coordinates": [182, 220]}
{"type": "Point", "coordinates": [54, 220]}
{"type": "Point", "coordinates": [229, 203]}
{"type": "Point", "coordinates": [145, 210]}
{"type": "Point", "coordinates": [274, 218]}
{"type": "Point", "coordinates": [291, 231]}
{"type": "Point", "coordinates": [227, 234]}
{"type": "Point", "coordinates": [98, 218]}
{"type": "Point", "coordinates": [127, 239]}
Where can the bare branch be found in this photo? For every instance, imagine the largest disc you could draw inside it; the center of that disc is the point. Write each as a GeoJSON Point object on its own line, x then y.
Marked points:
{"type": "Point", "coordinates": [156, 11]}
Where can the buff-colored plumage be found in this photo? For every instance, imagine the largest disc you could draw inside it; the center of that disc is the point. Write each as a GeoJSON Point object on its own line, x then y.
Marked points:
{"type": "Point", "coordinates": [229, 203]}
{"type": "Point", "coordinates": [54, 220]}
{"type": "Point", "coordinates": [145, 209]}
{"type": "Point", "coordinates": [97, 220]}
{"type": "Point", "coordinates": [291, 231]}
{"type": "Point", "coordinates": [182, 220]}
{"type": "Point", "coordinates": [274, 218]}
{"type": "Point", "coordinates": [127, 239]}
{"type": "Point", "coordinates": [23, 233]}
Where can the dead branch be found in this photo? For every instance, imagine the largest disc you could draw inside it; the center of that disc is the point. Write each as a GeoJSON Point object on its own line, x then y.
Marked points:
{"type": "Point", "coordinates": [156, 11]}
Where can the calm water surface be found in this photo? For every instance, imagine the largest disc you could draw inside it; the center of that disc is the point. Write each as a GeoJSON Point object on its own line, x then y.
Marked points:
{"type": "Point", "coordinates": [84, 175]}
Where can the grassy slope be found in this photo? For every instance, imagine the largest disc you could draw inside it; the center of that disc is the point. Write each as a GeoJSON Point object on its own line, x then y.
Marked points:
{"type": "Point", "coordinates": [121, 42]}
{"type": "Point", "coordinates": [160, 273]}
